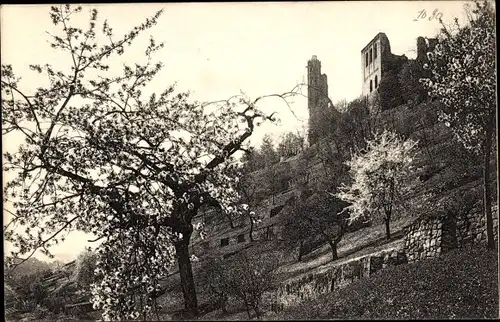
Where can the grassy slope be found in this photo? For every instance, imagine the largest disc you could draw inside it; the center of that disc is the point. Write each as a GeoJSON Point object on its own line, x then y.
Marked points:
{"type": "Point", "coordinates": [355, 244]}
{"type": "Point", "coordinates": [358, 243]}
{"type": "Point", "coordinates": [461, 284]}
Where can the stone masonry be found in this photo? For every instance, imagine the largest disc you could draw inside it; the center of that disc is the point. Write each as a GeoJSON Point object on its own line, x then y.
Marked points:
{"type": "Point", "coordinates": [429, 237]}
{"type": "Point", "coordinates": [335, 276]}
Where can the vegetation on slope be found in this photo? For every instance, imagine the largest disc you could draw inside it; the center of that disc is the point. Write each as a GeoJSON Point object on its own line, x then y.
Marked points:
{"type": "Point", "coordinates": [461, 284]}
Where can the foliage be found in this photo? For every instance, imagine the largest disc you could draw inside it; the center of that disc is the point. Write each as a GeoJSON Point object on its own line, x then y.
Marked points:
{"type": "Point", "coordinates": [290, 144]}
{"type": "Point", "coordinates": [30, 267]}
{"type": "Point", "coordinates": [380, 177]}
{"type": "Point", "coordinates": [317, 214]}
{"type": "Point", "coordinates": [464, 81]}
{"type": "Point", "coordinates": [390, 91]}
{"type": "Point", "coordinates": [26, 305]}
{"type": "Point", "coordinates": [102, 157]}
{"type": "Point", "coordinates": [353, 126]}
{"type": "Point", "coordinates": [55, 304]}
{"type": "Point", "coordinates": [250, 190]}
{"type": "Point", "coordinates": [29, 286]}
{"type": "Point", "coordinates": [84, 270]}
{"type": "Point", "coordinates": [256, 159]}
{"type": "Point", "coordinates": [409, 79]}
{"type": "Point", "coordinates": [212, 277]}
{"type": "Point", "coordinates": [277, 178]}
{"type": "Point", "coordinates": [333, 156]}
{"type": "Point", "coordinates": [249, 276]}
{"type": "Point", "coordinates": [462, 284]}
{"type": "Point", "coordinates": [321, 123]}
{"type": "Point", "coordinates": [268, 151]}
{"type": "Point", "coordinates": [244, 276]}
{"type": "Point", "coordinates": [464, 76]}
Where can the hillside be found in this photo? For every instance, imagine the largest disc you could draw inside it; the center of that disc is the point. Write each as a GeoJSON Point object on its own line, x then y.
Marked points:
{"type": "Point", "coordinates": [31, 266]}
{"type": "Point", "coordinates": [469, 291]}
{"type": "Point", "coordinates": [448, 177]}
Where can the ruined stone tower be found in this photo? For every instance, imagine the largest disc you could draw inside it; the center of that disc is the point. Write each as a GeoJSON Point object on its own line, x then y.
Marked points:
{"type": "Point", "coordinates": [380, 66]}
{"type": "Point", "coordinates": [373, 59]}
{"type": "Point", "coordinates": [317, 95]}
{"type": "Point", "coordinates": [377, 61]}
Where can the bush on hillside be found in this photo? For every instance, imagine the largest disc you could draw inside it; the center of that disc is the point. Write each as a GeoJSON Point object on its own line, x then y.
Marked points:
{"type": "Point", "coordinates": [83, 274]}
{"type": "Point", "coordinates": [409, 78]}
{"type": "Point", "coordinates": [390, 91]}
{"type": "Point", "coordinates": [251, 275]}
{"type": "Point", "coordinates": [245, 276]}
{"type": "Point", "coordinates": [29, 287]}
{"type": "Point", "coordinates": [212, 277]}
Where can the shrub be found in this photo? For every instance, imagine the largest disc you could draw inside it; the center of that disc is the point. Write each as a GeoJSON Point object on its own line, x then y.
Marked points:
{"type": "Point", "coordinates": [84, 270]}
{"type": "Point", "coordinates": [212, 277]}
{"type": "Point", "coordinates": [244, 276]}
{"type": "Point", "coordinates": [250, 276]}
{"type": "Point", "coordinates": [411, 88]}
{"type": "Point", "coordinates": [390, 91]}
{"type": "Point", "coordinates": [55, 304]}
{"type": "Point", "coordinates": [38, 292]}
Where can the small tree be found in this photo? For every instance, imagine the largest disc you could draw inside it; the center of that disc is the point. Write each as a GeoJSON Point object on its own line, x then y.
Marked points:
{"type": "Point", "coordinates": [212, 277]}
{"type": "Point", "coordinates": [252, 160]}
{"type": "Point", "coordinates": [268, 151]}
{"type": "Point", "coordinates": [411, 88]}
{"type": "Point", "coordinates": [317, 214]}
{"type": "Point", "coordinates": [390, 90]}
{"type": "Point", "coordinates": [249, 276]}
{"type": "Point", "coordinates": [464, 81]}
{"type": "Point", "coordinates": [379, 178]}
{"type": "Point", "coordinates": [290, 144]}
{"type": "Point", "coordinates": [246, 207]}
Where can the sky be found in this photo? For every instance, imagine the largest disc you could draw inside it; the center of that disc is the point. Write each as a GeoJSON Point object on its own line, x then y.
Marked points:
{"type": "Point", "coordinates": [217, 50]}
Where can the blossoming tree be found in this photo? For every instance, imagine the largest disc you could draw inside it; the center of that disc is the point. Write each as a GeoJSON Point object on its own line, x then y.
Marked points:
{"type": "Point", "coordinates": [101, 157]}
{"type": "Point", "coordinates": [464, 80]}
{"type": "Point", "coordinates": [380, 176]}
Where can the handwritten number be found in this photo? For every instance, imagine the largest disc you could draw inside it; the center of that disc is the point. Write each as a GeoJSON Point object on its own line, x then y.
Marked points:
{"type": "Point", "coordinates": [423, 14]}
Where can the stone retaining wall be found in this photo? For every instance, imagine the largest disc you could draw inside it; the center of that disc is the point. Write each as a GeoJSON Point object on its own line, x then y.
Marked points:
{"type": "Point", "coordinates": [471, 227]}
{"type": "Point", "coordinates": [429, 237]}
{"type": "Point", "coordinates": [425, 238]}
{"type": "Point", "coordinates": [335, 276]}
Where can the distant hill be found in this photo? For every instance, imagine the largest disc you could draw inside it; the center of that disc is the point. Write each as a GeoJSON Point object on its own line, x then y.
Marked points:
{"type": "Point", "coordinates": [31, 266]}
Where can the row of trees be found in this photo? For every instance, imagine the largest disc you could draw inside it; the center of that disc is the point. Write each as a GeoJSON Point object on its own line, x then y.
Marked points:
{"type": "Point", "coordinates": [270, 152]}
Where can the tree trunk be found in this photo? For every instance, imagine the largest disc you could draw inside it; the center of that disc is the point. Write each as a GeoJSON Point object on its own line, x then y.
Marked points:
{"type": "Point", "coordinates": [257, 311]}
{"type": "Point", "coordinates": [333, 246]}
{"type": "Point", "coordinates": [247, 307]}
{"type": "Point", "coordinates": [387, 228]}
{"type": "Point", "coordinates": [486, 184]}
{"type": "Point", "coordinates": [186, 274]}
{"type": "Point", "coordinates": [251, 228]}
{"type": "Point", "coordinates": [231, 223]}
{"type": "Point", "coordinates": [223, 302]}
